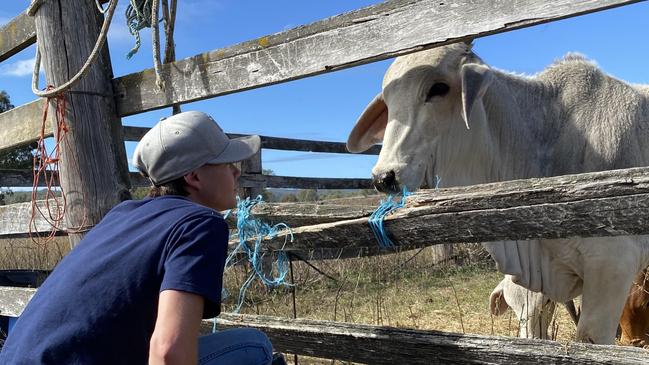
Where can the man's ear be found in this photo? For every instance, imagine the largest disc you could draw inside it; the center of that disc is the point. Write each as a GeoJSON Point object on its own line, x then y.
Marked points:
{"type": "Point", "coordinates": [192, 180]}
{"type": "Point", "coordinates": [370, 127]}
{"type": "Point", "coordinates": [476, 78]}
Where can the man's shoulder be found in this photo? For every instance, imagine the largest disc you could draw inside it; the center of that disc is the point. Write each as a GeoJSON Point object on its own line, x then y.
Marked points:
{"type": "Point", "coordinates": [171, 203]}
{"type": "Point", "coordinates": [176, 209]}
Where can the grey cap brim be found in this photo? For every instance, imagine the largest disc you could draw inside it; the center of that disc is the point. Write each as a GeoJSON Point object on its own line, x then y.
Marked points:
{"type": "Point", "coordinates": [238, 149]}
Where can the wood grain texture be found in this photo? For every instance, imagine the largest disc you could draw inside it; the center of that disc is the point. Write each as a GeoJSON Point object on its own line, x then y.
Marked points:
{"type": "Point", "coordinates": [369, 344]}
{"type": "Point", "coordinates": [14, 300]}
{"type": "Point", "coordinates": [374, 33]}
{"type": "Point", "coordinates": [389, 345]}
{"type": "Point", "coordinates": [93, 168]}
{"type": "Point", "coordinates": [23, 125]}
{"type": "Point", "coordinates": [274, 143]}
{"type": "Point", "coordinates": [16, 35]}
{"type": "Point", "coordinates": [370, 34]}
{"type": "Point", "coordinates": [595, 204]}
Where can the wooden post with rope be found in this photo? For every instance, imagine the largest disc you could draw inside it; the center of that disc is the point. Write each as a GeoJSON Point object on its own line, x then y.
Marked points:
{"type": "Point", "coordinates": [93, 166]}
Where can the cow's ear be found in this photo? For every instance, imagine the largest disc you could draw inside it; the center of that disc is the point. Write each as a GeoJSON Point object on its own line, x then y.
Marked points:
{"type": "Point", "coordinates": [370, 127]}
{"type": "Point", "coordinates": [476, 78]}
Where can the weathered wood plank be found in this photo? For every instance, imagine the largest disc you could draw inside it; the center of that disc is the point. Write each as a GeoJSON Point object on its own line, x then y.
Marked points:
{"type": "Point", "coordinates": [251, 166]}
{"type": "Point", "coordinates": [23, 125]}
{"type": "Point", "coordinates": [389, 345]}
{"type": "Point", "coordinates": [16, 35]}
{"type": "Point", "coordinates": [273, 181]}
{"type": "Point", "coordinates": [24, 178]}
{"type": "Point", "coordinates": [273, 143]}
{"type": "Point", "coordinates": [596, 204]}
{"type": "Point", "coordinates": [14, 300]}
{"type": "Point", "coordinates": [15, 220]}
{"type": "Point", "coordinates": [371, 34]}
{"type": "Point", "coordinates": [18, 178]}
{"type": "Point", "coordinates": [288, 144]}
{"type": "Point", "coordinates": [304, 214]}
{"type": "Point", "coordinates": [93, 166]}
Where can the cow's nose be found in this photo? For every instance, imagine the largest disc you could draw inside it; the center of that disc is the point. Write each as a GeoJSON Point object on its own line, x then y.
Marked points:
{"type": "Point", "coordinates": [386, 182]}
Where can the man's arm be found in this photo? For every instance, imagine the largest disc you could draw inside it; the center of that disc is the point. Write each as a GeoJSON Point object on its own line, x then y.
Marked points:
{"type": "Point", "coordinates": [175, 337]}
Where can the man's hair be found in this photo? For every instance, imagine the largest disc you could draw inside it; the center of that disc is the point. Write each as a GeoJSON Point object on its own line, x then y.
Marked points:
{"type": "Point", "coordinates": [173, 187]}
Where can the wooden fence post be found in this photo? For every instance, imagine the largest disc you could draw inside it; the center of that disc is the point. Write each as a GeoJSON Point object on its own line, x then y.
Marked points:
{"type": "Point", "coordinates": [93, 167]}
{"type": "Point", "coordinates": [251, 166]}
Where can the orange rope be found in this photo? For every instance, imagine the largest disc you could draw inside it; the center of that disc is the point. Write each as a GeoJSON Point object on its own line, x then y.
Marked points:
{"type": "Point", "coordinates": [46, 166]}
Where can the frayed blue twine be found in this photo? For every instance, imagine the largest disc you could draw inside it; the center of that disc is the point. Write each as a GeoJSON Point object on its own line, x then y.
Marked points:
{"type": "Point", "coordinates": [385, 208]}
{"type": "Point", "coordinates": [252, 229]}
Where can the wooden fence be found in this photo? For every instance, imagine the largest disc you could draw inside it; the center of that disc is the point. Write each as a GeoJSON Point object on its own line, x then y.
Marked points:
{"type": "Point", "coordinates": [568, 206]}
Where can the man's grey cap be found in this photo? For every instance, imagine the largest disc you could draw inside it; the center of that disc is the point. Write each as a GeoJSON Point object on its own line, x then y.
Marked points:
{"type": "Point", "coordinates": [186, 141]}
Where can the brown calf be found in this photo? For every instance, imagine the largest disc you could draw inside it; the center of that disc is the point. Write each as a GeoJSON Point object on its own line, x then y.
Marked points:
{"type": "Point", "coordinates": [635, 316]}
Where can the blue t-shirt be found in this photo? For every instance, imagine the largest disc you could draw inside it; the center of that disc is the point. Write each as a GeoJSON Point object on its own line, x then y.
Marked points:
{"type": "Point", "coordinates": [99, 305]}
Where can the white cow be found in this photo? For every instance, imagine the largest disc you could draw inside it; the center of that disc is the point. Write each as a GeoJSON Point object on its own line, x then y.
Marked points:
{"type": "Point", "coordinates": [444, 112]}
{"type": "Point", "coordinates": [533, 310]}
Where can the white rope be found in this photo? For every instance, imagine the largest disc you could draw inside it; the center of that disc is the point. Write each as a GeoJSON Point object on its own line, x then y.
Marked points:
{"type": "Point", "coordinates": [91, 58]}
{"type": "Point", "coordinates": [100, 8]}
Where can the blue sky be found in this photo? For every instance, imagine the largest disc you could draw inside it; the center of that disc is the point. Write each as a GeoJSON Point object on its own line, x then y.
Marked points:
{"type": "Point", "coordinates": [325, 107]}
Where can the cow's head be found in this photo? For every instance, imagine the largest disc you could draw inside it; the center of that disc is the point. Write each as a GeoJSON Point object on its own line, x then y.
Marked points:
{"type": "Point", "coordinates": [425, 95]}
{"type": "Point", "coordinates": [635, 316]}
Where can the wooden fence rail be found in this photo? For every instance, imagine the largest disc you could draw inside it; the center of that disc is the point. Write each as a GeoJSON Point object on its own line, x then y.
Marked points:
{"type": "Point", "coordinates": [24, 178]}
{"type": "Point", "coordinates": [606, 203]}
{"type": "Point", "coordinates": [381, 345]}
{"type": "Point", "coordinates": [18, 34]}
{"type": "Point", "coordinates": [594, 204]}
{"type": "Point", "coordinates": [374, 33]}
{"type": "Point", "coordinates": [134, 134]}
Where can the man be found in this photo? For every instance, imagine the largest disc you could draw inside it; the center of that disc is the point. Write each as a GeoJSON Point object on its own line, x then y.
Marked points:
{"type": "Point", "coordinates": [136, 287]}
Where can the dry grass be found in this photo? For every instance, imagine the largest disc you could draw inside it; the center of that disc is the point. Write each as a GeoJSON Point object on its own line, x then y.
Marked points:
{"type": "Point", "coordinates": [25, 254]}
{"type": "Point", "coordinates": [394, 291]}
{"type": "Point", "coordinates": [409, 289]}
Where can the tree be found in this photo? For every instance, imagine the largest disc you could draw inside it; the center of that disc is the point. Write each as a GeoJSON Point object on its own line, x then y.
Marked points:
{"type": "Point", "coordinates": [19, 158]}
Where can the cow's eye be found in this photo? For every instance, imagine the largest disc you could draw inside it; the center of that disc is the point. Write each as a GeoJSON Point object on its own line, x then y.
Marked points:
{"type": "Point", "coordinates": [438, 89]}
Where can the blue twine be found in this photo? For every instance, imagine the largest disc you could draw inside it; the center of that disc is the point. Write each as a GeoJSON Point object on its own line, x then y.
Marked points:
{"type": "Point", "coordinates": [385, 208]}
{"type": "Point", "coordinates": [252, 229]}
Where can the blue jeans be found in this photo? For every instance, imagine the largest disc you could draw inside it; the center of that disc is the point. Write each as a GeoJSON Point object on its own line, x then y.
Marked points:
{"type": "Point", "coordinates": [238, 346]}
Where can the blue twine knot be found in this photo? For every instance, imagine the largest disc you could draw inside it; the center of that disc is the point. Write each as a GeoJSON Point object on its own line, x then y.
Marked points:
{"type": "Point", "coordinates": [386, 207]}
{"type": "Point", "coordinates": [252, 229]}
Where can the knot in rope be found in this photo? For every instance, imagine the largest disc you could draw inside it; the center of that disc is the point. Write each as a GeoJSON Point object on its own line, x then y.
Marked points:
{"type": "Point", "coordinates": [251, 229]}
{"type": "Point", "coordinates": [386, 207]}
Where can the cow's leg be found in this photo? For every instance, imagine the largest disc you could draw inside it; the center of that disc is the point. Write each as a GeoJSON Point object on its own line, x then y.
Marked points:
{"type": "Point", "coordinates": [606, 285]}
